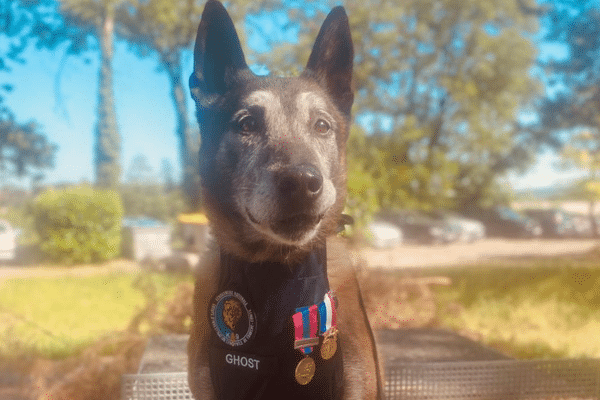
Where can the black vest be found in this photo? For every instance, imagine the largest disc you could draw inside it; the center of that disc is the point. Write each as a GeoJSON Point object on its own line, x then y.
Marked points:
{"type": "Point", "coordinates": [252, 353]}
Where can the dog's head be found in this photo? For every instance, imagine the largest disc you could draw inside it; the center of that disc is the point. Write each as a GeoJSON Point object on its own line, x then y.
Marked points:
{"type": "Point", "coordinates": [273, 155]}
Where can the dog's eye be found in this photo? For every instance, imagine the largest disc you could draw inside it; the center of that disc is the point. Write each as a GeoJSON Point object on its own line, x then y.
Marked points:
{"type": "Point", "coordinates": [322, 127]}
{"type": "Point", "coordinates": [248, 124]}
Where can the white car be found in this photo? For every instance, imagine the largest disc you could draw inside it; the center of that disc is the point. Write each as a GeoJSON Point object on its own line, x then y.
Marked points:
{"type": "Point", "coordinates": [8, 242]}
{"type": "Point", "coordinates": [471, 230]}
{"type": "Point", "coordinates": [383, 235]}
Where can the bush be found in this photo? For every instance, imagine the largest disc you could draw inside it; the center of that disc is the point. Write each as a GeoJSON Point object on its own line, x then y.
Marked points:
{"type": "Point", "coordinates": [152, 201]}
{"type": "Point", "coordinates": [78, 224]}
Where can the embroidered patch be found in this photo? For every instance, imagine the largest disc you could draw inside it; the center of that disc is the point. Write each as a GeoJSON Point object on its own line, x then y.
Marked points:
{"type": "Point", "coordinates": [231, 318]}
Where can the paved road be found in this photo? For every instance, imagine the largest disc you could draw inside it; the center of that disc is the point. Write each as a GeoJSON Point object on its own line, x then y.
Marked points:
{"type": "Point", "coordinates": [408, 256]}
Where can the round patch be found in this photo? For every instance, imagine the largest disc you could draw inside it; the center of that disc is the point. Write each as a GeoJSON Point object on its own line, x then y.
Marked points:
{"type": "Point", "coordinates": [231, 318]}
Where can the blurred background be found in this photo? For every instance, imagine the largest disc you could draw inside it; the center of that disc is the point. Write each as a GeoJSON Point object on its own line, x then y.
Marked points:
{"type": "Point", "coordinates": [475, 142]}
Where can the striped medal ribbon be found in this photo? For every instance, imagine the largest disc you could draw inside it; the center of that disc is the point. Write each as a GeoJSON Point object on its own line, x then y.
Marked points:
{"type": "Point", "coordinates": [328, 326]}
{"type": "Point", "coordinates": [305, 330]}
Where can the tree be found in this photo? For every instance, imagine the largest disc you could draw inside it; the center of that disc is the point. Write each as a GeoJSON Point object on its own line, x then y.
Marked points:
{"type": "Point", "coordinates": [168, 28]}
{"type": "Point", "coordinates": [166, 170]}
{"type": "Point", "coordinates": [140, 171]}
{"type": "Point", "coordinates": [571, 109]}
{"type": "Point", "coordinates": [20, 23]}
{"type": "Point", "coordinates": [574, 96]}
{"type": "Point", "coordinates": [583, 151]}
{"type": "Point", "coordinates": [24, 150]}
{"type": "Point", "coordinates": [439, 84]}
{"type": "Point", "coordinates": [97, 17]}
{"type": "Point", "coordinates": [144, 196]}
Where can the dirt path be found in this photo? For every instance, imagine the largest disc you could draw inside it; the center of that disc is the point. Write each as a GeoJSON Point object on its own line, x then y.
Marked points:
{"type": "Point", "coordinates": [412, 256]}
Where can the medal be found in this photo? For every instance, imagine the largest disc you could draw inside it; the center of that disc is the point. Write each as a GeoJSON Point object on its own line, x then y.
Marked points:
{"type": "Point", "coordinates": [310, 323]}
{"type": "Point", "coordinates": [306, 332]}
{"type": "Point", "coordinates": [329, 346]}
{"type": "Point", "coordinates": [327, 327]}
{"type": "Point", "coordinates": [305, 371]}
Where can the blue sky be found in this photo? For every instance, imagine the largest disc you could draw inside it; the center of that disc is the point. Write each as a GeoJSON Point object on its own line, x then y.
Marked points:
{"type": "Point", "coordinates": [144, 111]}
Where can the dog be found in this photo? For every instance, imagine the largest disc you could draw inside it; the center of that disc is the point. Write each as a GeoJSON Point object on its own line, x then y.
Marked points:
{"type": "Point", "coordinates": [277, 306]}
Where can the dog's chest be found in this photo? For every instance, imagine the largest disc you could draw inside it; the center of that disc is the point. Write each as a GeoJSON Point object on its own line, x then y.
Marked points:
{"type": "Point", "coordinates": [252, 351]}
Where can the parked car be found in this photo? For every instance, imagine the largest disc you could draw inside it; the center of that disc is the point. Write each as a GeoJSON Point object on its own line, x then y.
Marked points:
{"type": "Point", "coordinates": [505, 222]}
{"type": "Point", "coordinates": [583, 225]}
{"type": "Point", "coordinates": [8, 242]}
{"type": "Point", "coordinates": [419, 228]}
{"type": "Point", "coordinates": [383, 235]}
{"type": "Point", "coordinates": [471, 230]}
{"type": "Point", "coordinates": [554, 222]}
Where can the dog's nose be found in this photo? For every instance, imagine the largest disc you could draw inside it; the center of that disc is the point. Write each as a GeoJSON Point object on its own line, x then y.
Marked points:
{"type": "Point", "coordinates": [302, 180]}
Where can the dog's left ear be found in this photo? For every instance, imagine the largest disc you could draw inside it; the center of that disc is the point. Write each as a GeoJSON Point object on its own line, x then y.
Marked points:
{"type": "Point", "coordinates": [331, 59]}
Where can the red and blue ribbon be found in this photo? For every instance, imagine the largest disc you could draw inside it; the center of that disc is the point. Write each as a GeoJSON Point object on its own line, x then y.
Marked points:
{"type": "Point", "coordinates": [312, 321]}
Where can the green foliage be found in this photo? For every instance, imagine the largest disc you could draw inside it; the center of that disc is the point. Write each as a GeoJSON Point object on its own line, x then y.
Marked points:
{"type": "Point", "coordinates": [441, 84]}
{"type": "Point", "coordinates": [24, 149]}
{"type": "Point", "coordinates": [143, 196]}
{"type": "Point", "coordinates": [79, 224]}
{"type": "Point", "coordinates": [20, 217]}
{"type": "Point", "coordinates": [575, 96]}
{"type": "Point", "coordinates": [140, 171]}
{"type": "Point", "coordinates": [152, 201]}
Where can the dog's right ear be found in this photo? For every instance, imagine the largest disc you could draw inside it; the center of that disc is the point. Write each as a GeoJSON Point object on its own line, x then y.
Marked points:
{"type": "Point", "coordinates": [218, 55]}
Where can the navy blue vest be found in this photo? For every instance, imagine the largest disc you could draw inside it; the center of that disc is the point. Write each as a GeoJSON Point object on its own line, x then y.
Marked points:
{"type": "Point", "coordinates": [252, 353]}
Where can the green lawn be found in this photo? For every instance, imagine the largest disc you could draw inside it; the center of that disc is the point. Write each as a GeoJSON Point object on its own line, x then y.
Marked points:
{"type": "Point", "coordinates": [56, 317]}
{"type": "Point", "coordinates": [531, 308]}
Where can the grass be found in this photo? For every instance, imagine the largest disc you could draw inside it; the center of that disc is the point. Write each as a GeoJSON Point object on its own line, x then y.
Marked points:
{"type": "Point", "coordinates": [528, 308]}
{"type": "Point", "coordinates": [57, 317]}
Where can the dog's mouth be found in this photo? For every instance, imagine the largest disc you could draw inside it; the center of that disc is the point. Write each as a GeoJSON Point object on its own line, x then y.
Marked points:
{"type": "Point", "coordinates": [291, 228]}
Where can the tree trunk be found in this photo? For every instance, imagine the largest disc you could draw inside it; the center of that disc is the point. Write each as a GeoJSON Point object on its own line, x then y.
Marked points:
{"type": "Point", "coordinates": [188, 141]}
{"type": "Point", "coordinates": [107, 151]}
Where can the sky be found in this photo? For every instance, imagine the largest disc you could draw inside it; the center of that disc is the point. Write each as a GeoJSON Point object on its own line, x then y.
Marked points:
{"type": "Point", "coordinates": [144, 109]}
{"type": "Point", "coordinates": [145, 114]}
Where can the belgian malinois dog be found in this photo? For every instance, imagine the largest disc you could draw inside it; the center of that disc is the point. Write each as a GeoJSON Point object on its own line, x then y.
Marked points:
{"type": "Point", "coordinates": [277, 307]}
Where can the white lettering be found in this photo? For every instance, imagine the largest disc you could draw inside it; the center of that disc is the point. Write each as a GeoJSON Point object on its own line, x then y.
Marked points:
{"type": "Point", "coordinates": [242, 361]}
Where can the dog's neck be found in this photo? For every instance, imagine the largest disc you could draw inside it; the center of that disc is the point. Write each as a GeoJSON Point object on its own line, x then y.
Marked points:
{"type": "Point", "coordinates": [265, 272]}
{"type": "Point", "coordinates": [274, 290]}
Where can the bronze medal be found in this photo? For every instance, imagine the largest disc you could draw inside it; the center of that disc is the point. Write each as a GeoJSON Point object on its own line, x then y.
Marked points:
{"type": "Point", "coordinates": [305, 370]}
{"type": "Point", "coordinates": [329, 347]}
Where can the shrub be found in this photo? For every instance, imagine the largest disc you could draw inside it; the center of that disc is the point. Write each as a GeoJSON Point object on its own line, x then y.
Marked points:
{"type": "Point", "coordinates": [152, 201]}
{"type": "Point", "coordinates": [78, 224]}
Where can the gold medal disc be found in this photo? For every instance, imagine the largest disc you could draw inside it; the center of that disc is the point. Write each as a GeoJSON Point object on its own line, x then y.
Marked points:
{"type": "Point", "coordinates": [305, 370]}
{"type": "Point", "coordinates": [328, 348]}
